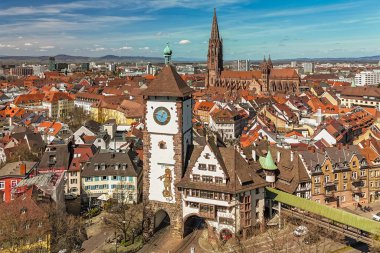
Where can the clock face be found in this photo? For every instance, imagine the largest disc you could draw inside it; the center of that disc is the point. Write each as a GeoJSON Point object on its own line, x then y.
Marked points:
{"type": "Point", "coordinates": [161, 115]}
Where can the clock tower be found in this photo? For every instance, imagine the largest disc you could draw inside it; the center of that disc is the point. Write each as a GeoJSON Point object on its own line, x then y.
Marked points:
{"type": "Point", "coordinates": [167, 136]}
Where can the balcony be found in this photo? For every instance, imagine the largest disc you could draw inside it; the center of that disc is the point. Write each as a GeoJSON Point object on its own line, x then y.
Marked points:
{"type": "Point", "coordinates": [330, 185]}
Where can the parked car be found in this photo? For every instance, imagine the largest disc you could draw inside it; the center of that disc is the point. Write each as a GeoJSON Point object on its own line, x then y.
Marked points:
{"type": "Point", "coordinates": [69, 196]}
{"type": "Point", "coordinates": [311, 239]}
{"type": "Point", "coordinates": [300, 231]}
{"type": "Point", "coordinates": [376, 216]}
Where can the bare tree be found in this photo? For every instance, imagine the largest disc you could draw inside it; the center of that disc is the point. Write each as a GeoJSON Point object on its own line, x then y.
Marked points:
{"type": "Point", "coordinates": [125, 216]}
{"type": "Point", "coordinates": [77, 117]}
{"type": "Point", "coordinates": [68, 232]}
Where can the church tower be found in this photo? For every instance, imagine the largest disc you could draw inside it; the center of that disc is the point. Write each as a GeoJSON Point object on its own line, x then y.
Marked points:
{"type": "Point", "coordinates": [265, 68]}
{"type": "Point", "coordinates": [167, 136]}
{"type": "Point", "coordinates": [215, 54]}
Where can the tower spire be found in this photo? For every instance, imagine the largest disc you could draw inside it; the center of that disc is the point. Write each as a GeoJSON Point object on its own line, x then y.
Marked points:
{"type": "Point", "coordinates": [167, 54]}
{"type": "Point", "coordinates": [215, 28]}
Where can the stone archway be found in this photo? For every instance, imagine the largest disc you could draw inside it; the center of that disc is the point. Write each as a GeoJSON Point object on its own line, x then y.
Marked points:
{"type": "Point", "coordinates": [161, 220]}
{"type": "Point", "coordinates": [192, 222]}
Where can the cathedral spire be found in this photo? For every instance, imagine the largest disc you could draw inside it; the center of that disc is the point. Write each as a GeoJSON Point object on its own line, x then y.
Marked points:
{"type": "Point", "coordinates": [270, 64]}
{"type": "Point", "coordinates": [214, 28]}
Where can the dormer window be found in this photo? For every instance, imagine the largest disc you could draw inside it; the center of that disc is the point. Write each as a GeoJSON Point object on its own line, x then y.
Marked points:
{"type": "Point", "coordinates": [52, 159]}
{"type": "Point", "coordinates": [96, 165]}
{"type": "Point", "coordinates": [124, 166]}
{"type": "Point", "coordinates": [202, 166]}
{"type": "Point", "coordinates": [211, 167]}
{"type": "Point", "coordinates": [207, 156]}
{"type": "Point", "coordinates": [116, 166]}
{"type": "Point", "coordinates": [103, 166]}
{"type": "Point", "coordinates": [23, 210]}
{"type": "Point", "coordinates": [162, 145]}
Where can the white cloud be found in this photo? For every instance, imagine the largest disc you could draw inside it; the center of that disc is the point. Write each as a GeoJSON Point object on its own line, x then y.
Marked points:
{"type": "Point", "coordinates": [144, 48]}
{"type": "Point", "coordinates": [184, 42]}
{"type": "Point", "coordinates": [97, 49]}
{"type": "Point", "coordinates": [27, 44]}
{"type": "Point", "coordinates": [43, 50]}
{"type": "Point", "coordinates": [47, 47]}
{"type": "Point", "coordinates": [126, 48]}
{"type": "Point", "coordinates": [6, 45]}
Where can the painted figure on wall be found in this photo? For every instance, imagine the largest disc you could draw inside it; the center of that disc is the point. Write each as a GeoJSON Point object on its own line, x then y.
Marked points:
{"type": "Point", "coordinates": [167, 179]}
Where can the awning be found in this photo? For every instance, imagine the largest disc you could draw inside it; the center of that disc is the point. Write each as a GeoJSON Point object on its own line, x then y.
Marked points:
{"type": "Point", "coordinates": [104, 197]}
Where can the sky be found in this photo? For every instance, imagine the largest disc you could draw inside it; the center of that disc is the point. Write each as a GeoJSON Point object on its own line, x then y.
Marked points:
{"type": "Point", "coordinates": [250, 29]}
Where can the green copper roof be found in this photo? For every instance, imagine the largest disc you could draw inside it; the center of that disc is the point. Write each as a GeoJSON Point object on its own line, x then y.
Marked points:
{"type": "Point", "coordinates": [331, 213]}
{"type": "Point", "coordinates": [267, 162]}
{"type": "Point", "coordinates": [167, 50]}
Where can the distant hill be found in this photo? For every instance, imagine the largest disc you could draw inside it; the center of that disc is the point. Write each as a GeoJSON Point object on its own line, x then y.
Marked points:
{"type": "Point", "coordinates": [129, 59]}
{"type": "Point", "coordinates": [76, 59]}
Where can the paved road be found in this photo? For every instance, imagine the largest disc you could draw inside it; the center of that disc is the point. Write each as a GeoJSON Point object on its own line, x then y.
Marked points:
{"type": "Point", "coordinates": [155, 244]}
{"type": "Point", "coordinates": [96, 241]}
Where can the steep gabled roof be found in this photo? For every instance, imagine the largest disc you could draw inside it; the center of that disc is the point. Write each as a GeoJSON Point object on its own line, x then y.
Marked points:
{"type": "Point", "coordinates": [168, 84]}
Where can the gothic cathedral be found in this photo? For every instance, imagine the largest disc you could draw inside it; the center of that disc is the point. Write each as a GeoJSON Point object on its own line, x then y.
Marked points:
{"type": "Point", "coordinates": [267, 80]}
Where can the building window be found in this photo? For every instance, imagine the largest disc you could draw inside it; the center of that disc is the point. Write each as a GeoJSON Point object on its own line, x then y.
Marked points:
{"type": "Point", "coordinates": [218, 180]}
{"type": "Point", "coordinates": [2, 185]}
{"type": "Point", "coordinates": [354, 175]}
{"type": "Point", "coordinates": [222, 209]}
{"type": "Point", "coordinates": [344, 187]}
{"type": "Point", "coordinates": [226, 221]}
{"type": "Point", "coordinates": [343, 198]}
{"type": "Point", "coordinates": [196, 178]}
{"type": "Point", "coordinates": [336, 176]}
{"type": "Point", "coordinates": [162, 145]}
{"type": "Point", "coordinates": [317, 179]}
{"type": "Point", "coordinates": [193, 204]}
{"type": "Point", "coordinates": [344, 175]}
{"type": "Point", "coordinates": [362, 173]}
{"type": "Point", "coordinates": [207, 179]}
{"type": "Point", "coordinates": [207, 156]}
{"type": "Point", "coordinates": [104, 178]}
{"type": "Point", "coordinates": [211, 167]}
{"type": "Point", "coordinates": [202, 166]}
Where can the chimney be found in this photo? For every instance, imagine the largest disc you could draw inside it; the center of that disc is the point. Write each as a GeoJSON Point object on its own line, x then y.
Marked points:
{"type": "Point", "coordinates": [22, 169]}
{"type": "Point", "coordinates": [254, 155]}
